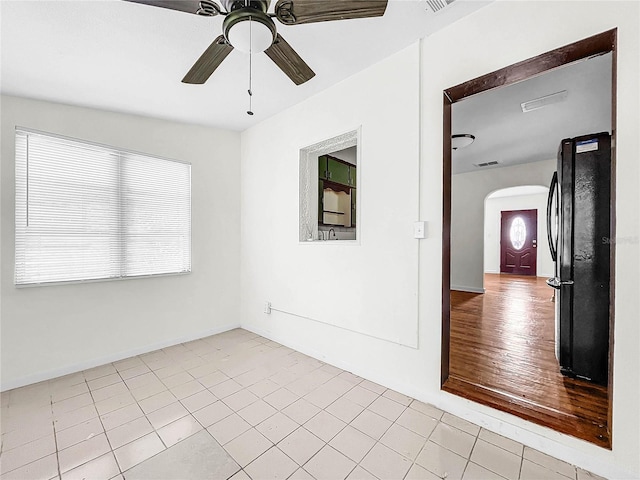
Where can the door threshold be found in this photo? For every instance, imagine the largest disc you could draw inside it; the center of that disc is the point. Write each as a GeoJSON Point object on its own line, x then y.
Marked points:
{"type": "Point", "coordinates": [528, 410]}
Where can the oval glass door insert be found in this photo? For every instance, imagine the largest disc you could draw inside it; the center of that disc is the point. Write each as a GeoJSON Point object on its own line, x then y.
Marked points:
{"type": "Point", "coordinates": [518, 233]}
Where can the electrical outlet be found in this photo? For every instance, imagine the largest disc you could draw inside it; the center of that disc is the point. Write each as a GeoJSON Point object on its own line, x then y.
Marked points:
{"type": "Point", "coordinates": [419, 230]}
{"type": "Point", "coordinates": [267, 308]}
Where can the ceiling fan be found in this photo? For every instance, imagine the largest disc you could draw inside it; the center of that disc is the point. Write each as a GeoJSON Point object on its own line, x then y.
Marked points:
{"type": "Point", "coordinates": [248, 26]}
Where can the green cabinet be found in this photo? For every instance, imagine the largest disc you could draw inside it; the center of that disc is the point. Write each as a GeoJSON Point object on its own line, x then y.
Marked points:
{"type": "Point", "coordinates": [336, 171]}
{"type": "Point", "coordinates": [352, 175]}
{"type": "Point", "coordinates": [338, 176]}
{"type": "Point", "coordinates": [323, 171]}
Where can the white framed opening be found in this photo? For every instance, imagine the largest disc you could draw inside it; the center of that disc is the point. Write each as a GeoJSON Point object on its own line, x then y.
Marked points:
{"type": "Point", "coordinates": [340, 195]}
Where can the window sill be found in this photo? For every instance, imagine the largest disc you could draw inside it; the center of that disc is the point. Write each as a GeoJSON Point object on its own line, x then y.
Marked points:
{"type": "Point", "coordinates": [99, 280]}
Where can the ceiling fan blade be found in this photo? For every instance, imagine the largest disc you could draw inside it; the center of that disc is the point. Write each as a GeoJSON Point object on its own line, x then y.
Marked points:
{"type": "Point", "coordinates": [208, 61]}
{"type": "Point", "coordinates": [204, 7]}
{"type": "Point", "coordinates": [289, 61]}
{"type": "Point", "coordinates": [295, 12]}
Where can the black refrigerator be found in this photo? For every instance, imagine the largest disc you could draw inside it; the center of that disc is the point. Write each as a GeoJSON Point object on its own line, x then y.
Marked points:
{"type": "Point", "coordinates": [578, 227]}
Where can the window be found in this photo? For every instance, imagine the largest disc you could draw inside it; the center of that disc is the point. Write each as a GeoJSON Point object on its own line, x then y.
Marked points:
{"type": "Point", "coordinates": [337, 174]}
{"type": "Point", "coordinates": [518, 233]}
{"type": "Point", "coordinates": [329, 183]}
{"type": "Point", "coordinates": [89, 212]}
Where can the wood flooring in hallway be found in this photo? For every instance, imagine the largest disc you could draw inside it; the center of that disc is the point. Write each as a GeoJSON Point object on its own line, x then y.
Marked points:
{"type": "Point", "coordinates": [503, 355]}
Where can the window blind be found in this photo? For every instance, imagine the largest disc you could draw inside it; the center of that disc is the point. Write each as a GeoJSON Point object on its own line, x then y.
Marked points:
{"type": "Point", "coordinates": [89, 212]}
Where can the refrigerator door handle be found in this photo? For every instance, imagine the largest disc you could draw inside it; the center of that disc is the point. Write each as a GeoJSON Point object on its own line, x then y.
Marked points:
{"type": "Point", "coordinates": [556, 283]}
{"type": "Point", "coordinates": [552, 188]}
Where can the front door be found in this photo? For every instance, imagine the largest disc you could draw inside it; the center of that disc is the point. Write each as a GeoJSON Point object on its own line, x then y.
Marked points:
{"type": "Point", "coordinates": [518, 242]}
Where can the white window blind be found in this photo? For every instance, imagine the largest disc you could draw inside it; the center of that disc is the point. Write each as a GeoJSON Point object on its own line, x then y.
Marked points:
{"type": "Point", "coordinates": [89, 212]}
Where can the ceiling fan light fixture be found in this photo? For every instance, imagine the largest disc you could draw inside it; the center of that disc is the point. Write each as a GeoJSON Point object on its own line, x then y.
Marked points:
{"type": "Point", "coordinates": [249, 30]}
{"type": "Point", "coordinates": [461, 140]}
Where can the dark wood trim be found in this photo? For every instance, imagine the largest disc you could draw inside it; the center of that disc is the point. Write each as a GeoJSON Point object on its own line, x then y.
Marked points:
{"type": "Point", "coordinates": [599, 44]}
{"type": "Point", "coordinates": [612, 303]}
{"type": "Point", "coordinates": [595, 45]}
{"type": "Point", "coordinates": [337, 187]}
{"type": "Point", "coordinates": [446, 240]}
{"type": "Point", "coordinates": [339, 160]}
{"type": "Point", "coordinates": [520, 407]}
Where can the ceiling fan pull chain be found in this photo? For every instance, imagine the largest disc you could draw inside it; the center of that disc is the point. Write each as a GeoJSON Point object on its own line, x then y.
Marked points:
{"type": "Point", "coordinates": [250, 111]}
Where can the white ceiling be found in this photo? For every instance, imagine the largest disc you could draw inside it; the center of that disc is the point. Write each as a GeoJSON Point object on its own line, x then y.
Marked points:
{"type": "Point", "coordinates": [506, 135]}
{"type": "Point", "coordinates": [349, 154]}
{"type": "Point", "coordinates": [128, 57]}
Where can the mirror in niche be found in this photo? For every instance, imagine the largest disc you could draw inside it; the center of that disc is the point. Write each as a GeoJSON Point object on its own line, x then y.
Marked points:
{"type": "Point", "coordinates": [328, 189]}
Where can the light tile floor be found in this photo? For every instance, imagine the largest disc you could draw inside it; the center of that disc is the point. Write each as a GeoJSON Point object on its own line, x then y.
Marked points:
{"type": "Point", "coordinates": [276, 412]}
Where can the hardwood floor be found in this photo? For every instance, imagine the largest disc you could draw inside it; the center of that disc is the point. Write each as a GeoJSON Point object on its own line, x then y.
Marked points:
{"type": "Point", "coordinates": [503, 355]}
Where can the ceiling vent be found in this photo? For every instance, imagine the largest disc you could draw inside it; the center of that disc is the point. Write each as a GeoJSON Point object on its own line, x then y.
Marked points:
{"type": "Point", "coordinates": [437, 5]}
{"type": "Point", "coordinates": [544, 101]}
{"type": "Point", "coordinates": [486, 164]}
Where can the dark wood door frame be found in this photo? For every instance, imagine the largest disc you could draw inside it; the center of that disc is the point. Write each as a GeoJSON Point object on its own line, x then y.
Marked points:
{"type": "Point", "coordinates": [593, 46]}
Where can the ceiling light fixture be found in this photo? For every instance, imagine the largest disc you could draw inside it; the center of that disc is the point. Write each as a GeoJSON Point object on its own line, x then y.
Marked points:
{"type": "Point", "coordinates": [249, 30]}
{"type": "Point", "coordinates": [544, 101]}
{"type": "Point", "coordinates": [461, 140]}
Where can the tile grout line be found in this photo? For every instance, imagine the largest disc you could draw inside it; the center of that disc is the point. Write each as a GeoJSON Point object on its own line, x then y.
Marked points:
{"type": "Point", "coordinates": [104, 429]}
{"type": "Point", "coordinates": [301, 426]}
{"type": "Point", "coordinates": [348, 424]}
{"type": "Point", "coordinates": [137, 402]}
{"type": "Point", "coordinates": [55, 437]}
{"type": "Point", "coordinates": [521, 464]}
{"type": "Point", "coordinates": [468, 459]}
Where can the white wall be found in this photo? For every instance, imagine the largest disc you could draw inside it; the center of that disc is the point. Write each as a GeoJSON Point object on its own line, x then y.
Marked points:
{"type": "Point", "coordinates": [47, 331]}
{"type": "Point", "coordinates": [468, 193]}
{"type": "Point", "coordinates": [492, 218]}
{"type": "Point", "coordinates": [274, 266]}
{"type": "Point", "coordinates": [368, 285]}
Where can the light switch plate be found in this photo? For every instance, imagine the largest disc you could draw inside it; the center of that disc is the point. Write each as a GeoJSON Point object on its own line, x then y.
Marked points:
{"type": "Point", "coordinates": [419, 229]}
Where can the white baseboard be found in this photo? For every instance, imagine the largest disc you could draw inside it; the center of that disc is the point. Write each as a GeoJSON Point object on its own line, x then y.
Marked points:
{"type": "Point", "coordinates": [368, 374]}
{"type": "Point", "coordinates": [96, 362]}
{"type": "Point", "coordinates": [462, 288]}
{"type": "Point", "coordinates": [371, 375]}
